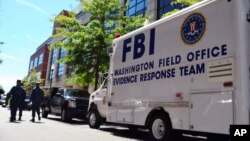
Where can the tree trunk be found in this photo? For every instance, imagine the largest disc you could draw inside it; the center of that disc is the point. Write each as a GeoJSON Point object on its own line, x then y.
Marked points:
{"type": "Point", "coordinates": [96, 73]}
{"type": "Point", "coordinates": [97, 67]}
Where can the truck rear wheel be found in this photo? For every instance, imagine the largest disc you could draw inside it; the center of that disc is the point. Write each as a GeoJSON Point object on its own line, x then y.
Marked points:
{"type": "Point", "coordinates": [160, 127]}
{"type": "Point", "coordinates": [94, 119]}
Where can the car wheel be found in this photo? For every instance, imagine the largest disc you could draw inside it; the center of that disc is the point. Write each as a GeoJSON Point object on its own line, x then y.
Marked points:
{"type": "Point", "coordinates": [94, 119]}
{"type": "Point", "coordinates": [160, 127]}
{"type": "Point", "coordinates": [44, 113]}
{"type": "Point", "coordinates": [64, 116]}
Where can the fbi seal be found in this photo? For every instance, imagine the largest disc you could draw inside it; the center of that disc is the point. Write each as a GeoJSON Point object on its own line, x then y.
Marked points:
{"type": "Point", "coordinates": [193, 28]}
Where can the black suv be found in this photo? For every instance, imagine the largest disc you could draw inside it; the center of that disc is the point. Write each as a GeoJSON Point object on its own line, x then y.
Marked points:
{"type": "Point", "coordinates": [68, 103]}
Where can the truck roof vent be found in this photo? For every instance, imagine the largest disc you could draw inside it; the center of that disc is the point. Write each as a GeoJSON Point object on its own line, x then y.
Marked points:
{"type": "Point", "coordinates": [220, 70]}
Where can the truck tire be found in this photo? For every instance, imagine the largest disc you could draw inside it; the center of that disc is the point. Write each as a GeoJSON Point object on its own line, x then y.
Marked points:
{"type": "Point", "coordinates": [64, 116]}
{"type": "Point", "coordinates": [94, 119]}
{"type": "Point", "coordinates": [160, 127]}
{"type": "Point", "coordinates": [44, 113]}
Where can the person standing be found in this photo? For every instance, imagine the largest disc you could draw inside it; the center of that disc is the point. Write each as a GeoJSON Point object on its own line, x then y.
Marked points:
{"type": "Point", "coordinates": [36, 98]}
{"type": "Point", "coordinates": [17, 95]}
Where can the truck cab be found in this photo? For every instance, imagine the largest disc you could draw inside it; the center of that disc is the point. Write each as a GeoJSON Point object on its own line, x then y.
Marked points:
{"type": "Point", "coordinates": [98, 105]}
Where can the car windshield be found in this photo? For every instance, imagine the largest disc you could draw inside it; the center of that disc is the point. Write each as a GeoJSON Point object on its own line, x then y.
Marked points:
{"type": "Point", "coordinates": [76, 93]}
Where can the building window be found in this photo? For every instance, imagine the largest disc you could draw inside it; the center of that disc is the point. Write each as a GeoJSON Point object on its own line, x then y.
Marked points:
{"type": "Point", "coordinates": [40, 60]}
{"type": "Point", "coordinates": [31, 64]}
{"type": "Point", "coordinates": [54, 55]}
{"type": "Point", "coordinates": [53, 61]}
{"type": "Point", "coordinates": [60, 71]}
{"type": "Point", "coordinates": [63, 52]}
{"type": "Point", "coordinates": [136, 7]}
{"type": "Point", "coordinates": [36, 61]}
{"type": "Point", "coordinates": [51, 74]}
{"type": "Point", "coordinates": [165, 6]}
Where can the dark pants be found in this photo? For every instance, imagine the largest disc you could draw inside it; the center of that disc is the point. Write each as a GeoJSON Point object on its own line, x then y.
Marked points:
{"type": "Point", "coordinates": [20, 111]}
{"type": "Point", "coordinates": [35, 108]}
{"type": "Point", "coordinates": [13, 109]}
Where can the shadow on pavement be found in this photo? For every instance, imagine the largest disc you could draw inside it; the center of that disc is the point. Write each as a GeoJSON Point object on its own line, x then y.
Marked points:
{"type": "Point", "coordinates": [138, 134]}
{"type": "Point", "coordinates": [24, 121]}
{"type": "Point", "coordinates": [73, 121]}
{"type": "Point", "coordinates": [14, 122]}
{"type": "Point", "coordinates": [37, 122]}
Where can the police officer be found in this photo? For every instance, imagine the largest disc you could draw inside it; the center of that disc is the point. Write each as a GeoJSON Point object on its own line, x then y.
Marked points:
{"type": "Point", "coordinates": [21, 105]}
{"type": "Point", "coordinates": [36, 98]}
{"type": "Point", "coordinates": [17, 95]}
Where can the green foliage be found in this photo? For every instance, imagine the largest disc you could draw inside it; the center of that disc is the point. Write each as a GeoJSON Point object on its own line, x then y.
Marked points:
{"type": "Point", "coordinates": [29, 81]}
{"type": "Point", "coordinates": [171, 12]}
{"type": "Point", "coordinates": [183, 3]}
{"type": "Point", "coordinates": [87, 45]}
{"type": "Point", "coordinates": [129, 24]}
{"type": "Point", "coordinates": [1, 90]}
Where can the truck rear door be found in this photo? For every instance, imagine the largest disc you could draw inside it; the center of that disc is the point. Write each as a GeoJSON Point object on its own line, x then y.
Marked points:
{"type": "Point", "coordinates": [211, 111]}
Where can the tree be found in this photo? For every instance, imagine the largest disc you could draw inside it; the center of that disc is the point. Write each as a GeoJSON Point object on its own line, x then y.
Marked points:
{"type": "Point", "coordinates": [29, 81]}
{"type": "Point", "coordinates": [87, 45]}
{"type": "Point", "coordinates": [180, 3]}
{"type": "Point", "coordinates": [1, 90]}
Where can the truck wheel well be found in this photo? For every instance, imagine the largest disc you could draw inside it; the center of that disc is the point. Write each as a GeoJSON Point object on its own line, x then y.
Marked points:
{"type": "Point", "coordinates": [156, 111]}
{"type": "Point", "coordinates": [93, 106]}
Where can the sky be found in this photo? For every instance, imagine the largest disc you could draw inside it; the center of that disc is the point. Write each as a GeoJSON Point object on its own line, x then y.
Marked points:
{"type": "Point", "coordinates": [24, 25]}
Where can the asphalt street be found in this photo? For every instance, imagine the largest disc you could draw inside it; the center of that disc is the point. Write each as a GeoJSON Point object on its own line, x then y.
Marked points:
{"type": "Point", "coordinates": [52, 129]}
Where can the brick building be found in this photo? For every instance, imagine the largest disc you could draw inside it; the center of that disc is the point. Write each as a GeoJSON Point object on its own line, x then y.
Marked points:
{"type": "Point", "coordinates": [39, 60]}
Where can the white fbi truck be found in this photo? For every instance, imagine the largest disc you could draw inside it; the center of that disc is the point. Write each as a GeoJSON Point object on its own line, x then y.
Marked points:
{"type": "Point", "coordinates": [187, 73]}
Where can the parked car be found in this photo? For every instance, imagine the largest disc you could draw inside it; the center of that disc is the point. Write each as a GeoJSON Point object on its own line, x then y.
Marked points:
{"type": "Point", "coordinates": [27, 105]}
{"type": "Point", "coordinates": [3, 100]}
{"type": "Point", "coordinates": [67, 103]}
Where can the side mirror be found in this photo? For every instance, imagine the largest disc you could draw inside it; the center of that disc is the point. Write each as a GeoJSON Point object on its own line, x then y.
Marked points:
{"type": "Point", "coordinates": [110, 50]}
{"type": "Point", "coordinates": [58, 94]}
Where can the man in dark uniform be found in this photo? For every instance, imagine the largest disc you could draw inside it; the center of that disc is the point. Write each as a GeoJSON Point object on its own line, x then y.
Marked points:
{"type": "Point", "coordinates": [21, 105]}
{"type": "Point", "coordinates": [36, 98]}
{"type": "Point", "coordinates": [17, 94]}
